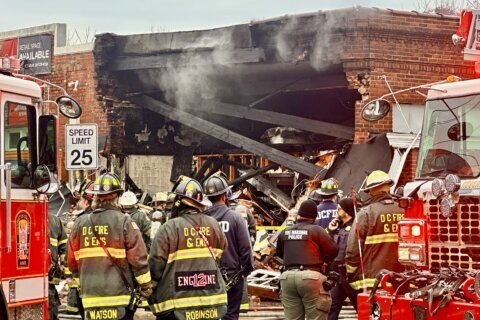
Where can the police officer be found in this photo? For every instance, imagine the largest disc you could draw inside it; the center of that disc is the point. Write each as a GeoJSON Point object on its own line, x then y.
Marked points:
{"type": "Point", "coordinates": [304, 248]}
{"type": "Point", "coordinates": [107, 280]}
{"type": "Point", "coordinates": [58, 249]}
{"type": "Point", "coordinates": [339, 229]}
{"type": "Point", "coordinates": [378, 234]}
{"type": "Point", "coordinates": [183, 260]}
{"type": "Point", "coordinates": [83, 207]}
{"type": "Point", "coordinates": [129, 201]}
{"type": "Point", "coordinates": [239, 253]}
{"type": "Point", "coordinates": [327, 194]}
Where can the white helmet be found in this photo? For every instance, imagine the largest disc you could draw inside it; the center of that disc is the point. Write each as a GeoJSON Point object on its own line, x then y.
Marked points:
{"type": "Point", "coordinates": [128, 198]}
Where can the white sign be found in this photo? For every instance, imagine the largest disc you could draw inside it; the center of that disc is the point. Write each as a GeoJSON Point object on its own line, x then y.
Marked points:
{"type": "Point", "coordinates": [82, 146]}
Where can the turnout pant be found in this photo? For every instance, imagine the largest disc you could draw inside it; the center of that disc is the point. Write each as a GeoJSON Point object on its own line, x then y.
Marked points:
{"type": "Point", "coordinates": [303, 296]}
{"type": "Point", "coordinates": [339, 293]}
{"type": "Point", "coordinates": [234, 300]}
{"type": "Point", "coordinates": [53, 302]}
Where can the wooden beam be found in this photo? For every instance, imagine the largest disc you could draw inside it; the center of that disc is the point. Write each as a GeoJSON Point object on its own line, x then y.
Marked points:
{"type": "Point", "coordinates": [281, 119]}
{"type": "Point", "coordinates": [252, 173]}
{"type": "Point", "coordinates": [185, 58]}
{"type": "Point", "coordinates": [233, 138]}
{"type": "Point", "coordinates": [265, 186]}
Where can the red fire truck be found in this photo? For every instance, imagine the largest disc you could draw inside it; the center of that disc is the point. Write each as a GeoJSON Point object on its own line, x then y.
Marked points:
{"type": "Point", "coordinates": [28, 172]}
{"type": "Point", "coordinates": [439, 237]}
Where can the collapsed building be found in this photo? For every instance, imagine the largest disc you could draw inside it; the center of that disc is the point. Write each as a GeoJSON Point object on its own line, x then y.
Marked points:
{"type": "Point", "coordinates": [283, 93]}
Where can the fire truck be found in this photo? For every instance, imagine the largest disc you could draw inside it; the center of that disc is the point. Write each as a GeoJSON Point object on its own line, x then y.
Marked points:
{"type": "Point", "coordinates": [439, 237]}
{"type": "Point", "coordinates": [28, 174]}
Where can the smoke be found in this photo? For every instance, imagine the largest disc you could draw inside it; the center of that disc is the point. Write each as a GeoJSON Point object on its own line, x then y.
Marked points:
{"type": "Point", "coordinates": [193, 76]}
{"type": "Point", "coordinates": [315, 38]}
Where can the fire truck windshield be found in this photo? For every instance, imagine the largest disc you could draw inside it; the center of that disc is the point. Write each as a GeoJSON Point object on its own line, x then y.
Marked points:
{"type": "Point", "coordinates": [450, 138]}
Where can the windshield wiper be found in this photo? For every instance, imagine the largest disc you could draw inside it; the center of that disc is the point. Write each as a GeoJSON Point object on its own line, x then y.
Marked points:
{"type": "Point", "coordinates": [450, 109]}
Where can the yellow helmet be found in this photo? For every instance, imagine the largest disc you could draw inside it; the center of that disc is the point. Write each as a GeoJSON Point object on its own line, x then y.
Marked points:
{"type": "Point", "coordinates": [377, 178]}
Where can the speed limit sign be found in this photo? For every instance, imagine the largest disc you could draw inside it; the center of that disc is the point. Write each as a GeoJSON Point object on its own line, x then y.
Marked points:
{"type": "Point", "coordinates": [82, 146]}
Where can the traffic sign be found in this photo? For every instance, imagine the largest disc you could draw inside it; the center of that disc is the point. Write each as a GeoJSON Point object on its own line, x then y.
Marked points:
{"type": "Point", "coordinates": [81, 142]}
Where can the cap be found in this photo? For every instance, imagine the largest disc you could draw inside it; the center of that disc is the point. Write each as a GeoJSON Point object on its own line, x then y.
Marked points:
{"type": "Point", "coordinates": [308, 209]}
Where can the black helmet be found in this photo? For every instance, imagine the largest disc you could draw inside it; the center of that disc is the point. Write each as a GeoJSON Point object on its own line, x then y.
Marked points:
{"type": "Point", "coordinates": [86, 185]}
{"type": "Point", "coordinates": [106, 183]}
{"type": "Point", "coordinates": [189, 188]}
{"type": "Point", "coordinates": [329, 187]}
{"type": "Point", "coordinates": [215, 186]}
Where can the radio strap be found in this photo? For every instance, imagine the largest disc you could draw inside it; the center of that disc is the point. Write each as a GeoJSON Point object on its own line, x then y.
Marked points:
{"type": "Point", "coordinates": [112, 259]}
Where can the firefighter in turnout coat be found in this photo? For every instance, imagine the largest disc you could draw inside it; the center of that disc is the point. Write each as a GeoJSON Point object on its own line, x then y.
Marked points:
{"type": "Point", "coordinates": [238, 257]}
{"type": "Point", "coordinates": [84, 207]}
{"type": "Point", "coordinates": [378, 234]}
{"type": "Point", "coordinates": [107, 280]}
{"type": "Point", "coordinates": [58, 249]}
{"type": "Point", "coordinates": [129, 201]}
{"type": "Point", "coordinates": [188, 284]}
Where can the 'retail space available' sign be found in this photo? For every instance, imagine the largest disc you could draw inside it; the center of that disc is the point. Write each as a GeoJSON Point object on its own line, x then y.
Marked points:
{"type": "Point", "coordinates": [35, 54]}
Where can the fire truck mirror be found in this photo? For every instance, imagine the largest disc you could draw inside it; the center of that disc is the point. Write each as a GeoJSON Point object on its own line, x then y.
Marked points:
{"type": "Point", "coordinates": [69, 107]}
{"type": "Point", "coordinates": [44, 181]}
{"type": "Point", "coordinates": [375, 110]}
{"type": "Point", "coordinates": [460, 131]}
{"type": "Point", "coordinates": [47, 141]}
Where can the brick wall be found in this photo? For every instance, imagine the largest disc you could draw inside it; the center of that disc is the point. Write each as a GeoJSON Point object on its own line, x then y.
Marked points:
{"type": "Point", "coordinates": [410, 49]}
{"type": "Point", "coordinates": [68, 68]}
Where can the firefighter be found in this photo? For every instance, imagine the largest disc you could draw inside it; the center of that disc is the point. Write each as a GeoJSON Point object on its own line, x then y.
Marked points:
{"type": "Point", "coordinates": [128, 201]}
{"type": "Point", "coordinates": [58, 249]}
{"type": "Point", "coordinates": [377, 234]}
{"type": "Point", "coordinates": [187, 281]}
{"type": "Point", "coordinates": [83, 207]}
{"type": "Point", "coordinates": [304, 248]}
{"type": "Point", "coordinates": [238, 257]}
{"type": "Point", "coordinates": [327, 194]}
{"type": "Point", "coordinates": [107, 251]}
{"type": "Point", "coordinates": [339, 229]}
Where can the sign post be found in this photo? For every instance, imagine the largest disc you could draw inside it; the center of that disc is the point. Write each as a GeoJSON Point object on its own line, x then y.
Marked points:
{"type": "Point", "coordinates": [81, 142]}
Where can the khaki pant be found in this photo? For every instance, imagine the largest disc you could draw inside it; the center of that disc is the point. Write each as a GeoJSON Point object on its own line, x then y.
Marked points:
{"type": "Point", "coordinates": [303, 296]}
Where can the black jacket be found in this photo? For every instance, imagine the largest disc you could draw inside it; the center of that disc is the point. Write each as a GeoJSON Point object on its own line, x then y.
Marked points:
{"type": "Point", "coordinates": [340, 238]}
{"type": "Point", "coordinates": [239, 251]}
{"type": "Point", "coordinates": [305, 244]}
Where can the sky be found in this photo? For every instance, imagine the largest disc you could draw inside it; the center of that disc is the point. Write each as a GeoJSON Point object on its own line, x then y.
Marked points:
{"type": "Point", "coordinates": [88, 17]}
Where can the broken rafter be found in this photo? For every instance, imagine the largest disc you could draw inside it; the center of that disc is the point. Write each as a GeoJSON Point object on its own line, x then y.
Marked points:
{"type": "Point", "coordinates": [185, 58]}
{"type": "Point", "coordinates": [252, 173]}
{"type": "Point", "coordinates": [266, 187]}
{"type": "Point", "coordinates": [281, 119]}
{"type": "Point", "coordinates": [227, 136]}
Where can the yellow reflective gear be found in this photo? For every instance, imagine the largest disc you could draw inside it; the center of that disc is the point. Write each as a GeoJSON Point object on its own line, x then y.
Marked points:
{"type": "Point", "coordinates": [193, 253]}
{"type": "Point", "coordinates": [245, 306]}
{"type": "Point", "coordinates": [99, 252]}
{"type": "Point", "coordinates": [198, 301]}
{"type": "Point", "coordinates": [350, 269]}
{"type": "Point", "coordinates": [381, 238]}
{"type": "Point", "coordinates": [64, 241]}
{"type": "Point", "coordinates": [53, 242]}
{"type": "Point", "coordinates": [357, 285]}
{"type": "Point", "coordinates": [143, 278]}
{"type": "Point", "coordinates": [72, 309]}
{"type": "Point", "coordinates": [95, 302]}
